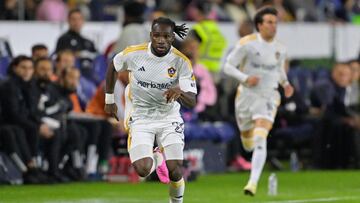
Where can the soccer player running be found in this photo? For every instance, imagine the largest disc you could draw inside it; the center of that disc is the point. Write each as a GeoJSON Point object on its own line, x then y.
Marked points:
{"type": "Point", "coordinates": [261, 61]}
{"type": "Point", "coordinates": [161, 78]}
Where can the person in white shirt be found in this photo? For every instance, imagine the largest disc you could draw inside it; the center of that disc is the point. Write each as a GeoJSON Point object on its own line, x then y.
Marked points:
{"type": "Point", "coordinates": [258, 61]}
{"type": "Point", "coordinates": [160, 79]}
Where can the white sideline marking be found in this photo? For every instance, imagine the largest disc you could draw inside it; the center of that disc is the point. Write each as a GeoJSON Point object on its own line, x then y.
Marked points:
{"type": "Point", "coordinates": [330, 199]}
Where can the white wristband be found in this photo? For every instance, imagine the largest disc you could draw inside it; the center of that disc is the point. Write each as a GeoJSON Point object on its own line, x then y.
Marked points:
{"type": "Point", "coordinates": [109, 98]}
{"type": "Point", "coordinates": [286, 82]}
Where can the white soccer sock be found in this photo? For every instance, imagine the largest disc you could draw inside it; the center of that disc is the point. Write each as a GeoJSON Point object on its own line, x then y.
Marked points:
{"type": "Point", "coordinates": [259, 154]}
{"type": "Point", "coordinates": [157, 160]}
{"type": "Point", "coordinates": [176, 191]}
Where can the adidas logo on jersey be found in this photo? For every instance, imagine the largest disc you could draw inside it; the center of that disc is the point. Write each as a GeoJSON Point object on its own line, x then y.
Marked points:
{"type": "Point", "coordinates": [141, 69]}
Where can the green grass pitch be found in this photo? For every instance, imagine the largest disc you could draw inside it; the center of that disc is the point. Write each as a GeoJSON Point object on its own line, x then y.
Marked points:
{"type": "Point", "coordinates": [310, 186]}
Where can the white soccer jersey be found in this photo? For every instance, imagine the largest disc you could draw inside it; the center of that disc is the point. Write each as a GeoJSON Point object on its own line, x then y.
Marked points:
{"type": "Point", "coordinates": [256, 57]}
{"type": "Point", "coordinates": [150, 76]}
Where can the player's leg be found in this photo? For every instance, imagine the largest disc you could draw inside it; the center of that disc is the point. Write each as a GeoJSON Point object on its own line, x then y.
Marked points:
{"type": "Point", "coordinates": [141, 158]}
{"type": "Point", "coordinates": [140, 147]}
{"type": "Point", "coordinates": [263, 111]}
{"type": "Point", "coordinates": [244, 120]}
{"type": "Point", "coordinates": [174, 162]}
{"type": "Point", "coordinates": [172, 140]}
{"type": "Point", "coordinates": [260, 132]}
{"type": "Point", "coordinates": [161, 169]}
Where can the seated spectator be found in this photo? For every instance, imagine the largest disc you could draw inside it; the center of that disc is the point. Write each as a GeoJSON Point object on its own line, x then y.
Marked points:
{"type": "Point", "coordinates": [64, 59]}
{"type": "Point", "coordinates": [39, 51]}
{"type": "Point", "coordinates": [11, 138]}
{"type": "Point", "coordinates": [240, 11]}
{"type": "Point", "coordinates": [9, 10]}
{"type": "Point", "coordinates": [98, 130]}
{"type": "Point", "coordinates": [52, 112]}
{"type": "Point", "coordinates": [97, 103]}
{"type": "Point", "coordinates": [52, 10]}
{"type": "Point", "coordinates": [353, 91]}
{"type": "Point", "coordinates": [19, 106]}
{"type": "Point", "coordinates": [334, 140]}
{"type": "Point", "coordinates": [286, 9]}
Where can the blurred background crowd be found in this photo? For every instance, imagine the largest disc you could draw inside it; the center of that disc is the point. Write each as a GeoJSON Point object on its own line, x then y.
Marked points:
{"type": "Point", "coordinates": [221, 10]}
{"type": "Point", "coordinates": [54, 129]}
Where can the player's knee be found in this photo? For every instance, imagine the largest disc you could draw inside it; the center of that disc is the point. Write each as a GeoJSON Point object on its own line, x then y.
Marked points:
{"type": "Point", "coordinates": [174, 167]}
{"type": "Point", "coordinates": [143, 167]}
{"type": "Point", "coordinates": [247, 143]}
{"type": "Point", "coordinates": [260, 142]}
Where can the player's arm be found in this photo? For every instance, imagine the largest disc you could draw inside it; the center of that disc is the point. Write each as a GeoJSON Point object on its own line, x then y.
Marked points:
{"type": "Point", "coordinates": [284, 82]}
{"type": "Point", "coordinates": [188, 99]}
{"type": "Point", "coordinates": [235, 58]}
{"type": "Point", "coordinates": [185, 92]}
{"type": "Point", "coordinates": [111, 77]}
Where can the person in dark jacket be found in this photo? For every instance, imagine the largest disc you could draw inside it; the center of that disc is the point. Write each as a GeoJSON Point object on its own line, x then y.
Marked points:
{"type": "Point", "coordinates": [334, 140]}
{"type": "Point", "coordinates": [54, 112]}
{"type": "Point", "coordinates": [83, 48]}
{"type": "Point", "coordinates": [19, 110]}
{"type": "Point", "coordinates": [72, 39]}
{"type": "Point", "coordinates": [95, 131]}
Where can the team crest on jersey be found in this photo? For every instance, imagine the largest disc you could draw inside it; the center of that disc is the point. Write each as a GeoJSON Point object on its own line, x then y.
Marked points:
{"type": "Point", "coordinates": [171, 72]}
{"type": "Point", "coordinates": [277, 55]}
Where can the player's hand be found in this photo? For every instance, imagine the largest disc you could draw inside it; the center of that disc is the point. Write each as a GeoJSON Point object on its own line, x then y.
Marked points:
{"type": "Point", "coordinates": [288, 90]}
{"type": "Point", "coordinates": [111, 109]}
{"type": "Point", "coordinates": [45, 131]}
{"type": "Point", "coordinates": [252, 81]}
{"type": "Point", "coordinates": [172, 94]}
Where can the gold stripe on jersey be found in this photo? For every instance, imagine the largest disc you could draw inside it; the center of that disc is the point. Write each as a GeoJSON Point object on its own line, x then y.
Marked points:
{"type": "Point", "coordinates": [130, 80]}
{"type": "Point", "coordinates": [247, 39]}
{"type": "Point", "coordinates": [134, 48]}
{"type": "Point", "coordinates": [127, 127]}
{"type": "Point", "coordinates": [238, 92]}
{"type": "Point", "coordinates": [129, 140]}
{"type": "Point", "coordinates": [181, 55]}
{"type": "Point", "coordinates": [129, 95]}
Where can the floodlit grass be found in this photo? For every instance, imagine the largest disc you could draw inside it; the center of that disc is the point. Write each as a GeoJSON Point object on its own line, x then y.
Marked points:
{"type": "Point", "coordinates": [310, 186]}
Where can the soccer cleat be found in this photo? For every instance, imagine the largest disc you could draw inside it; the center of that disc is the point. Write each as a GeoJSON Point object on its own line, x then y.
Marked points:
{"type": "Point", "coordinates": [162, 171]}
{"type": "Point", "coordinates": [242, 164]}
{"type": "Point", "coordinates": [250, 189]}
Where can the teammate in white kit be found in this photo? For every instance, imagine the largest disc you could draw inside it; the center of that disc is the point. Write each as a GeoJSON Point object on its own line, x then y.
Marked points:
{"type": "Point", "coordinates": [161, 78]}
{"type": "Point", "coordinates": [258, 62]}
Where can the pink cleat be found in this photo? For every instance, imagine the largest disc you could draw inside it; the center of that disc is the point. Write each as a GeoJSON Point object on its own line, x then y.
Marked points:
{"type": "Point", "coordinates": [162, 171]}
{"type": "Point", "coordinates": [242, 163]}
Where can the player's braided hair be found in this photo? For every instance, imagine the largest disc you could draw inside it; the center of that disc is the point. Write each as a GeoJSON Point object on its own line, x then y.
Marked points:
{"type": "Point", "coordinates": [180, 30]}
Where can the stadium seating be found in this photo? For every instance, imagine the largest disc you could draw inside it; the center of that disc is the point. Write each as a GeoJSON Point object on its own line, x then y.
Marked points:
{"type": "Point", "coordinates": [4, 63]}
